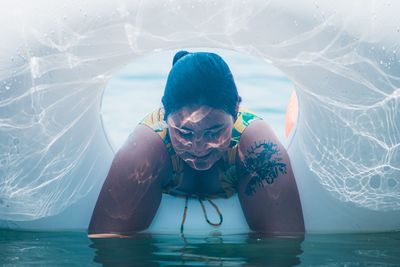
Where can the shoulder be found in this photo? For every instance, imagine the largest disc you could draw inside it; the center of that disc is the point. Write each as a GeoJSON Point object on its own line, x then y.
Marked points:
{"type": "Point", "coordinates": [256, 131]}
{"type": "Point", "coordinates": [251, 128]}
{"type": "Point", "coordinates": [243, 119]}
{"type": "Point", "coordinates": [259, 146]}
{"type": "Point", "coordinates": [143, 140]}
{"type": "Point", "coordinates": [145, 150]}
{"type": "Point", "coordinates": [155, 121]}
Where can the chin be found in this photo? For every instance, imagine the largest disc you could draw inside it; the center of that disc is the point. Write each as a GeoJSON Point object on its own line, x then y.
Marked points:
{"type": "Point", "coordinates": [200, 166]}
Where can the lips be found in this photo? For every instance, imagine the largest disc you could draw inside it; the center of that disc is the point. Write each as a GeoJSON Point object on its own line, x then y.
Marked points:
{"type": "Point", "coordinates": [201, 157]}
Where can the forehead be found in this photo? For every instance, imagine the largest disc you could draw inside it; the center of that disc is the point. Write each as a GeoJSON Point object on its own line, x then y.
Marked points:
{"type": "Point", "coordinates": [198, 117]}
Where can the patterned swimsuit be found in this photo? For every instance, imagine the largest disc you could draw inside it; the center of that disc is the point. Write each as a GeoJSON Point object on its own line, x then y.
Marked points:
{"type": "Point", "coordinates": [228, 176]}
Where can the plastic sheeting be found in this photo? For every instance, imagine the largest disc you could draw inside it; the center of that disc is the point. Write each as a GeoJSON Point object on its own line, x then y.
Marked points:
{"type": "Point", "coordinates": [56, 59]}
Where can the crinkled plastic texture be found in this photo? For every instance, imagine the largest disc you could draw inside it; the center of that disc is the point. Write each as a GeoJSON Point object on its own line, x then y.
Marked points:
{"type": "Point", "coordinates": [56, 59]}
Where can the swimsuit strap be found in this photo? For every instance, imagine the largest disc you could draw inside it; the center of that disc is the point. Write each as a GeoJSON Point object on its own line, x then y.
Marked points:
{"type": "Point", "coordinates": [204, 212]}
{"type": "Point", "coordinates": [184, 213]}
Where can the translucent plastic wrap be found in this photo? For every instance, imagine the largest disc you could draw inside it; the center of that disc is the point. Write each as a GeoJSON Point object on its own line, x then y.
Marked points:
{"type": "Point", "coordinates": [56, 59]}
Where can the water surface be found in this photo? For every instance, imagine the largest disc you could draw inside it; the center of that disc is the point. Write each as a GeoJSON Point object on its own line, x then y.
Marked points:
{"type": "Point", "coordinates": [75, 249]}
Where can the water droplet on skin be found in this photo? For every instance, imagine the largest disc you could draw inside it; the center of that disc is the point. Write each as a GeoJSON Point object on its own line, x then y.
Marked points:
{"type": "Point", "coordinates": [381, 62]}
{"type": "Point", "coordinates": [8, 87]}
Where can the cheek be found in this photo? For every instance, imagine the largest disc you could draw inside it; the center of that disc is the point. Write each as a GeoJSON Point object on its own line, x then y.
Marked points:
{"type": "Point", "coordinates": [222, 142]}
{"type": "Point", "coordinates": [179, 143]}
{"type": "Point", "coordinates": [226, 143]}
{"type": "Point", "coordinates": [225, 137]}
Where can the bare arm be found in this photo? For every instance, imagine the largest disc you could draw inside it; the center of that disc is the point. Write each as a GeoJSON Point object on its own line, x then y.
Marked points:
{"type": "Point", "coordinates": [131, 193]}
{"type": "Point", "coordinates": [267, 189]}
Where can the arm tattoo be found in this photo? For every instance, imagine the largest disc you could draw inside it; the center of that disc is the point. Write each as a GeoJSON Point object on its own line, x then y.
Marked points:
{"type": "Point", "coordinates": [263, 163]}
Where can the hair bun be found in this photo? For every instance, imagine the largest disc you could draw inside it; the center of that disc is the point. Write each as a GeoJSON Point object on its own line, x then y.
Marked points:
{"type": "Point", "coordinates": [179, 55]}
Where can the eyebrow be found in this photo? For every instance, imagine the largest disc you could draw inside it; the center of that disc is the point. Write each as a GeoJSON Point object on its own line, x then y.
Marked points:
{"type": "Point", "coordinates": [210, 128]}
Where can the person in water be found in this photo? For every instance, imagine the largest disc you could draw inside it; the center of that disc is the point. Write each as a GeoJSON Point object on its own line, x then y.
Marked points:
{"type": "Point", "coordinates": [201, 144]}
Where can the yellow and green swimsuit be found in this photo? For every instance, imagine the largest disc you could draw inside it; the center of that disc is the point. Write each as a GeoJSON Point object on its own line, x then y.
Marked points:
{"type": "Point", "coordinates": [228, 175]}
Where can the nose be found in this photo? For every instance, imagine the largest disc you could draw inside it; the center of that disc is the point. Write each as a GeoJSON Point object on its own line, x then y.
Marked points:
{"type": "Point", "coordinates": [199, 146]}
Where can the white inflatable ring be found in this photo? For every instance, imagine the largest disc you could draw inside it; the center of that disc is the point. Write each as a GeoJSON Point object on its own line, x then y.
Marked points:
{"type": "Point", "coordinates": [55, 60]}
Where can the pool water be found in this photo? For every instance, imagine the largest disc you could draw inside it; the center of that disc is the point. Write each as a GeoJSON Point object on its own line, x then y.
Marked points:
{"type": "Point", "coordinates": [75, 249]}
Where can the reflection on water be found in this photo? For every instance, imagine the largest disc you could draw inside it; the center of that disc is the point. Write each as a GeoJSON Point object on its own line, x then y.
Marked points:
{"type": "Point", "coordinates": [198, 251]}
{"type": "Point", "coordinates": [75, 249]}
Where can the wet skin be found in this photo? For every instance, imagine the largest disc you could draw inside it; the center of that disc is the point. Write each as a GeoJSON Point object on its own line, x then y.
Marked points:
{"type": "Point", "coordinates": [267, 189]}
{"type": "Point", "coordinates": [200, 135]}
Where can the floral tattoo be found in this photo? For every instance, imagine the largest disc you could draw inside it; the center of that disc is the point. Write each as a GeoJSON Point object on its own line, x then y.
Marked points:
{"type": "Point", "coordinates": [263, 163]}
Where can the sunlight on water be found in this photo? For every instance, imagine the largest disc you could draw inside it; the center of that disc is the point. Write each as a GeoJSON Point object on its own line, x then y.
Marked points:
{"type": "Point", "coordinates": [75, 249]}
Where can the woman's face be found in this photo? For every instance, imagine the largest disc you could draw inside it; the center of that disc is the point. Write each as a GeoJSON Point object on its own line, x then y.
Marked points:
{"type": "Point", "coordinates": [200, 134]}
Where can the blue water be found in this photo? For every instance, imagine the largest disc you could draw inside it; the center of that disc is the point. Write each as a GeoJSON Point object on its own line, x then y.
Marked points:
{"type": "Point", "coordinates": [75, 249]}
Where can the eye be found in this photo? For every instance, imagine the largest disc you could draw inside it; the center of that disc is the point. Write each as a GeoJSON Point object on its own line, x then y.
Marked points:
{"type": "Point", "coordinates": [185, 134]}
{"type": "Point", "coordinates": [213, 134]}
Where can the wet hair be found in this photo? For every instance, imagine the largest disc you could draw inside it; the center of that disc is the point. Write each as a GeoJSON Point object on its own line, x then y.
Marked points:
{"type": "Point", "coordinates": [200, 78]}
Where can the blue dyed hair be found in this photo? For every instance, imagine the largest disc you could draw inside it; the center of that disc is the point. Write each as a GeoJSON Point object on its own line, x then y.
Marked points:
{"type": "Point", "coordinates": [200, 78]}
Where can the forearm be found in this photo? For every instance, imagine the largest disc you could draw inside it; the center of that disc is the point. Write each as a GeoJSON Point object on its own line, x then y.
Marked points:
{"type": "Point", "coordinates": [128, 200]}
{"type": "Point", "coordinates": [131, 193]}
{"type": "Point", "coordinates": [125, 211]}
{"type": "Point", "coordinates": [274, 208]}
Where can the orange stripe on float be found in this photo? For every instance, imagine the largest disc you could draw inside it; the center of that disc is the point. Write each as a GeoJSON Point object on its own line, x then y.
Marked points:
{"type": "Point", "coordinates": [292, 112]}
